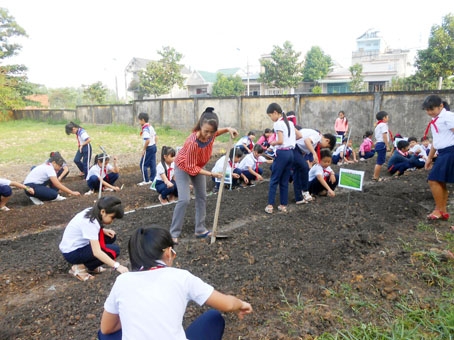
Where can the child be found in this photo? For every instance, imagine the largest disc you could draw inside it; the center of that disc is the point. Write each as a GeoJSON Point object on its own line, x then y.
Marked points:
{"type": "Point", "coordinates": [366, 149]}
{"type": "Point", "coordinates": [246, 143]}
{"type": "Point", "coordinates": [284, 143]}
{"type": "Point", "coordinates": [344, 152]}
{"type": "Point", "coordinates": [165, 176]}
{"type": "Point", "coordinates": [291, 117]}
{"type": "Point", "coordinates": [383, 142]}
{"type": "Point", "coordinates": [341, 124]}
{"type": "Point", "coordinates": [6, 192]}
{"type": "Point", "coordinates": [148, 159]}
{"type": "Point", "coordinates": [322, 179]}
{"type": "Point", "coordinates": [108, 177]}
{"type": "Point", "coordinates": [418, 154]}
{"type": "Point", "coordinates": [307, 149]}
{"type": "Point", "coordinates": [41, 176]}
{"type": "Point", "coordinates": [232, 169]}
{"type": "Point", "coordinates": [425, 143]}
{"type": "Point", "coordinates": [249, 166]}
{"type": "Point", "coordinates": [399, 161]}
{"type": "Point", "coordinates": [442, 128]}
{"type": "Point", "coordinates": [64, 171]}
{"type": "Point", "coordinates": [83, 154]}
{"type": "Point", "coordinates": [86, 244]}
{"type": "Point", "coordinates": [264, 139]}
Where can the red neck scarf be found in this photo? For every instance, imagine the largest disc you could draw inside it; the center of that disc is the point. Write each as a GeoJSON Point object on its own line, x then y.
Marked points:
{"type": "Point", "coordinates": [432, 122]}
{"type": "Point", "coordinates": [169, 169]}
{"type": "Point", "coordinates": [405, 154]}
{"type": "Point", "coordinates": [326, 174]}
{"type": "Point", "coordinates": [102, 243]}
{"type": "Point", "coordinates": [144, 126]}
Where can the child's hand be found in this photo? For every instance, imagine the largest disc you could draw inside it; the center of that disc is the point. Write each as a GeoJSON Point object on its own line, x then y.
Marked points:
{"type": "Point", "coordinates": [109, 232]}
{"type": "Point", "coordinates": [259, 178]}
{"type": "Point", "coordinates": [331, 193]}
{"type": "Point", "coordinates": [169, 184]}
{"type": "Point", "coordinates": [246, 180]}
{"type": "Point", "coordinates": [116, 188]}
{"type": "Point", "coordinates": [235, 176]}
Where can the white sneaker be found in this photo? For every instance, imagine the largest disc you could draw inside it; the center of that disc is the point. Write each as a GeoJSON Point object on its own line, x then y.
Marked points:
{"type": "Point", "coordinates": [59, 198]}
{"type": "Point", "coordinates": [5, 208]}
{"type": "Point", "coordinates": [144, 183]}
{"type": "Point", "coordinates": [89, 192]}
{"type": "Point", "coordinates": [362, 159]}
{"type": "Point", "coordinates": [107, 189]}
{"type": "Point", "coordinates": [36, 201]}
{"type": "Point", "coordinates": [307, 196]}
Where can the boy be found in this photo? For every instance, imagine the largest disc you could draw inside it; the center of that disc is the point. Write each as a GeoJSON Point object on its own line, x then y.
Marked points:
{"type": "Point", "coordinates": [231, 170]}
{"type": "Point", "coordinates": [250, 165]}
{"type": "Point", "coordinates": [382, 144]}
{"type": "Point", "coordinates": [246, 143]}
{"type": "Point", "coordinates": [322, 179]}
{"type": "Point", "coordinates": [148, 159]}
{"type": "Point", "coordinates": [399, 161]}
{"type": "Point", "coordinates": [417, 153]}
{"type": "Point", "coordinates": [344, 152]}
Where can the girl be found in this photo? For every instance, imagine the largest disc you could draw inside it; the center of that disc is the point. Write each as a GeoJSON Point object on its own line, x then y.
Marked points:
{"type": "Point", "coordinates": [43, 175]}
{"type": "Point", "coordinates": [284, 144]}
{"type": "Point", "coordinates": [83, 154]}
{"type": "Point", "coordinates": [189, 163]}
{"type": "Point", "coordinates": [107, 175]}
{"type": "Point", "coordinates": [150, 301]}
{"type": "Point", "coordinates": [322, 179]}
{"type": "Point", "coordinates": [165, 174]}
{"type": "Point", "coordinates": [232, 169]}
{"type": "Point", "coordinates": [249, 168]}
{"type": "Point", "coordinates": [341, 124]}
{"type": "Point", "coordinates": [6, 192]}
{"type": "Point", "coordinates": [366, 149]}
{"type": "Point", "coordinates": [442, 128]}
{"type": "Point", "coordinates": [383, 143]}
{"type": "Point", "coordinates": [344, 153]}
{"type": "Point", "coordinates": [86, 244]}
{"type": "Point", "coordinates": [264, 139]}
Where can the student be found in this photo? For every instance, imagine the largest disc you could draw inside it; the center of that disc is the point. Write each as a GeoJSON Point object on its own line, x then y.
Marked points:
{"type": "Point", "coordinates": [6, 192]}
{"type": "Point", "coordinates": [87, 244]}
{"type": "Point", "coordinates": [366, 149]}
{"type": "Point", "coordinates": [417, 153]}
{"type": "Point", "coordinates": [132, 312]}
{"type": "Point", "coordinates": [165, 176]}
{"type": "Point", "coordinates": [344, 152]}
{"type": "Point", "coordinates": [64, 171]}
{"type": "Point", "coordinates": [322, 179]}
{"type": "Point", "coordinates": [341, 124]}
{"type": "Point", "coordinates": [291, 117]}
{"type": "Point", "coordinates": [249, 166]}
{"type": "Point", "coordinates": [442, 129]}
{"type": "Point", "coordinates": [83, 154]}
{"type": "Point", "coordinates": [399, 162]}
{"type": "Point", "coordinates": [149, 149]}
{"type": "Point", "coordinates": [425, 143]}
{"type": "Point", "coordinates": [189, 163]}
{"type": "Point", "coordinates": [246, 143]}
{"type": "Point", "coordinates": [383, 141]}
{"type": "Point", "coordinates": [41, 176]}
{"type": "Point", "coordinates": [264, 139]}
{"type": "Point", "coordinates": [284, 144]}
{"type": "Point", "coordinates": [107, 175]}
{"type": "Point", "coordinates": [308, 146]}
{"type": "Point", "coordinates": [232, 171]}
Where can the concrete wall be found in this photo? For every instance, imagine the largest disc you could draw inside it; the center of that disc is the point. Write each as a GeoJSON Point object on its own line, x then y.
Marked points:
{"type": "Point", "coordinates": [249, 113]}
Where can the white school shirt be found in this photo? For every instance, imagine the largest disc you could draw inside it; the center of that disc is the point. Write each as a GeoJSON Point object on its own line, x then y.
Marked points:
{"type": "Point", "coordinates": [317, 169]}
{"type": "Point", "coordinates": [245, 140]}
{"type": "Point", "coordinates": [4, 181]}
{"type": "Point", "coordinates": [289, 141]}
{"type": "Point", "coordinates": [422, 152]}
{"type": "Point", "coordinates": [444, 137]}
{"type": "Point", "coordinates": [339, 149]}
{"type": "Point", "coordinates": [40, 174]}
{"type": "Point", "coordinates": [380, 129]}
{"type": "Point", "coordinates": [151, 303]}
{"type": "Point", "coordinates": [250, 161]}
{"type": "Point", "coordinates": [160, 171]}
{"type": "Point", "coordinates": [79, 232]}
{"type": "Point", "coordinates": [95, 170]}
{"type": "Point", "coordinates": [148, 133]}
{"type": "Point", "coordinates": [314, 135]}
{"type": "Point", "coordinates": [82, 136]}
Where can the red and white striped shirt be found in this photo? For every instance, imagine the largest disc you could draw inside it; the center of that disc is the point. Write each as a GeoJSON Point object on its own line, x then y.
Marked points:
{"type": "Point", "coordinates": [194, 154]}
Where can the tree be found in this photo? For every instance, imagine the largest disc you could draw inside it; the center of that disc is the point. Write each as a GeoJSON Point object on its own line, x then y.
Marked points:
{"type": "Point", "coordinates": [96, 93]}
{"type": "Point", "coordinates": [357, 83]}
{"type": "Point", "coordinates": [66, 97]}
{"type": "Point", "coordinates": [160, 76]}
{"type": "Point", "coordinates": [282, 70]}
{"type": "Point", "coordinates": [228, 86]}
{"type": "Point", "coordinates": [316, 65]}
{"type": "Point", "coordinates": [438, 59]}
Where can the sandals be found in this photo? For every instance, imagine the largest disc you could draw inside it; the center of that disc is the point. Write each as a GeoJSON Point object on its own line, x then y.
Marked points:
{"type": "Point", "coordinates": [80, 272]}
{"type": "Point", "coordinates": [175, 241]}
{"type": "Point", "coordinates": [98, 270]}
{"type": "Point", "coordinates": [444, 216]}
{"type": "Point", "coordinates": [269, 209]}
{"type": "Point", "coordinates": [282, 208]}
{"type": "Point", "coordinates": [204, 235]}
{"type": "Point", "coordinates": [162, 200]}
{"type": "Point", "coordinates": [379, 179]}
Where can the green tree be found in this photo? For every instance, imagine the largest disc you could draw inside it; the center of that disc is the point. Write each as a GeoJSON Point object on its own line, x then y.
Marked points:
{"type": "Point", "coordinates": [282, 70]}
{"type": "Point", "coordinates": [96, 93]}
{"type": "Point", "coordinates": [438, 59]}
{"type": "Point", "coordinates": [357, 83]}
{"type": "Point", "coordinates": [66, 97]}
{"type": "Point", "coordinates": [316, 65]}
{"type": "Point", "coordinates": [160, 76]}
{"type": "Point", "coordinates": [228, 86]}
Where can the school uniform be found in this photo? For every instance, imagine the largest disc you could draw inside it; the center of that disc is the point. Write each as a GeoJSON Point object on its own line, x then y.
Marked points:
{"type": "Point", "coordinates": [83, 158]}
{"type": "Point", "coordinates": [443, 141]}
{"type": "Point", "coordinates": [96, 172]}
{"type": "Point", "coordinates": [5, 189]}
{"type": "Point", "coordinates": [148, 159]}
{"type": "Point", "coordinates": [161, 186]}
{"type": "Point", "coordinates": [75, 244]}
{"type": "Point", "coordinates": [380, 146]}
{"type": "Point", "coordinates": [345, 150]}
{"type": "Point", "coordinates": [399, 161]}
{"type": "Point", "coordinates": [245, 140]}
{"type": "Point", "coordinates": [39, 179]}
{"type": "Point", "coordinates": [418, 156]}
{"type": "Point", "coordinates": [231, 168]}
{"type": "Point", "coordinates": [315, 186]}
{"type": "Point", "coordinates": [249, 161]}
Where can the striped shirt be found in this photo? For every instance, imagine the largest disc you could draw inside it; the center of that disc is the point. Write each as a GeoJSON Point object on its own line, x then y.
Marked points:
{"type": "Point", "coordinates": [194, 154]}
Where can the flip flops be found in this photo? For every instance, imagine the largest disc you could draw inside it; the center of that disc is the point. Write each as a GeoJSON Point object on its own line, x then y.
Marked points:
{"type": "Point", "coordinates": [444, 216]}
{"type": "Point", "coordinates": [204, 235]}
{"type": "Point", "coordinates": [80, 272]}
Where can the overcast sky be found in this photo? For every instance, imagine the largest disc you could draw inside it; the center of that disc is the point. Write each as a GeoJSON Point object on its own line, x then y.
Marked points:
{"type": "Point", "coordinates": [71, 43]}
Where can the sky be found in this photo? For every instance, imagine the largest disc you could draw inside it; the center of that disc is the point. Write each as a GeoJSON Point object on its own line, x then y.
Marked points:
{"type": "Point", "coordinates": [74, 43]}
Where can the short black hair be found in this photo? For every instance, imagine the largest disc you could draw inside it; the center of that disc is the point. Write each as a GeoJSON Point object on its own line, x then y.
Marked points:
{"type": "Point", "coordinates": [380, 115]}
{"type": "Point", "coordinates": [144, 116]}
{"type": "Point", "coordinates": [325, 152]}
{"type": "Point", "coordinates": [402, 144]}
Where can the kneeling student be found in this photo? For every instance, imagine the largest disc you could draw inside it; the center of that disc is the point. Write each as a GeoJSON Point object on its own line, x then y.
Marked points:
{"type": "Point", "coordinates": [107, 176]}
{"type": "Point", "coordinates": [250, 165]}
{"type": "Point", "coordinates": [322, 179]}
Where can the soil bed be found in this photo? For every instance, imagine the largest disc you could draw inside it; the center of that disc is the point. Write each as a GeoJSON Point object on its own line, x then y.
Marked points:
{"type": "Point", "coordinates": [321, 267]}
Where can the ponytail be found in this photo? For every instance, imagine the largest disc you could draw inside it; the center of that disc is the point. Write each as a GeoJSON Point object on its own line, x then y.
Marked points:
{"type": "Point", "coordinates": [166, 150]}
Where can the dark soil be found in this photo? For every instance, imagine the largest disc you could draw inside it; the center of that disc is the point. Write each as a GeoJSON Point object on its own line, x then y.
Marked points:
{"type": "Point", "coordinates": [321, 267]}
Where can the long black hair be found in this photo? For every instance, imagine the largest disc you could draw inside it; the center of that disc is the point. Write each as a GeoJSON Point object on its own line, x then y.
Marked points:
{"type": "Point", "coordinates": [69, 127]}
{"type": "Point", "coordinates": [111, 205]}
{"type": "Point", "coordinates": [166, 150]}
{"type": "Point", "coordinates": [276, 107]}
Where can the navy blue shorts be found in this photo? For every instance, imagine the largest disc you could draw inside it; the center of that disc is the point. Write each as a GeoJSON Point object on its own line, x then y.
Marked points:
{"type": "Point", "coordinates": [380, 149]}
{"type": "Point", "coordinates": [443, 168]}
{"type": "Point", "coordinates": [5, 191]}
